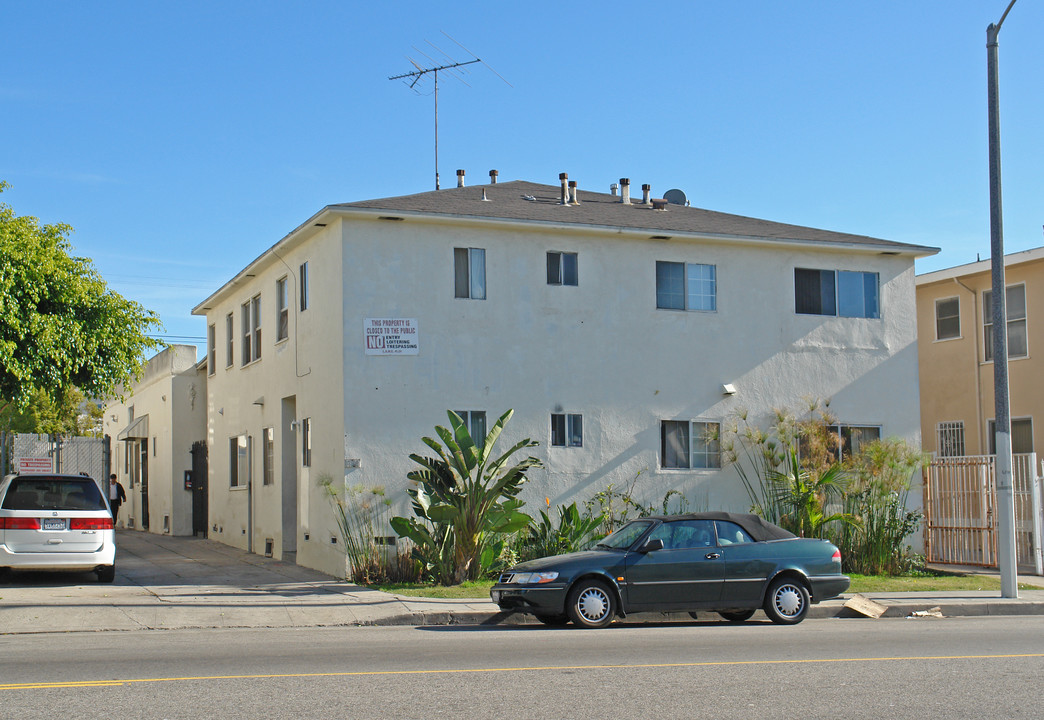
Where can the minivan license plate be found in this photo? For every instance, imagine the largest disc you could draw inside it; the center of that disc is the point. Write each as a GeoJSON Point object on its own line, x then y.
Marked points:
{"type": "Point", "coordinates": [54, 523]}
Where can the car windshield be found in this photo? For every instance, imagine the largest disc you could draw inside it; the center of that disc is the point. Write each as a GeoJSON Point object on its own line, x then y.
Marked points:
{"type": "Point", "coordinates": [53, 493]}
{"type": "Point", "coordinates": [625, 536]}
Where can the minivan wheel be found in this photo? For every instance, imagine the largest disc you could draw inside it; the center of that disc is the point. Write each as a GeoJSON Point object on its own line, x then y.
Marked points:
{"type": "Point", "coordinates": [106, 573]}
{"type": "Point", "coordinates": [591, 604]}
{"type": "Point", "coordinates": [787, 601]}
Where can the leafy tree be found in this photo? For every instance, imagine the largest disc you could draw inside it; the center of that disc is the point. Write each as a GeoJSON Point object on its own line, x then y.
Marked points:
{"type": "Point", "coordinates": [70, 414]}
{"type": "Point", "coordinates": [465, 501]}
{"type": "Point", "coordinates": [60, 325]}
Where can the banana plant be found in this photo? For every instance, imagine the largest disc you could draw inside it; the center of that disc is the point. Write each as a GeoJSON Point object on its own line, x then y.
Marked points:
{"type": "Point", "coordinates": [465, 500]}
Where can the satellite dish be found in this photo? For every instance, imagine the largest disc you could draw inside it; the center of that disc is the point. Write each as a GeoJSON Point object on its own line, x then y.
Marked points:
{"type": "Point", "coordinates": [675, 197]}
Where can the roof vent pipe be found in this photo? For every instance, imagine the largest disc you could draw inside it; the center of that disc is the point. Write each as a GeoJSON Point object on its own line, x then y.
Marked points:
{"type": "Point", "coordinates": [572, 193]}
{"type": "Point", "coordinates": [613, 188]}
{"type": "Point", "coordinates": [625, 191]}
{"type": "Point", "coordinates": [564, 178]}
{"type": "Point", "coordinates": [493, 177]}
{"type": "Point", "coordinates": [646, 189]}
{"type": "Point", "coordinates": [460, 178]}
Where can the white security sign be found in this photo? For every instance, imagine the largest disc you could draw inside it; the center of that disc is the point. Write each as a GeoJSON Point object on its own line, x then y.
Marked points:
{"type": "Point", "coordinates": [391, 336]}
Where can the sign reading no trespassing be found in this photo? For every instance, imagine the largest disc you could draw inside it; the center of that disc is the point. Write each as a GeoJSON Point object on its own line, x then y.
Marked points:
{"type": "Point", "coordinates": [34, 465]}
{"type": "Point", "coordinates": [391, 336]}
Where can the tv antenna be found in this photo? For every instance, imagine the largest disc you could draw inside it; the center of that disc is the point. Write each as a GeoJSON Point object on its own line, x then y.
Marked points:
{"type": "Point", "coordinates": [449, 65]}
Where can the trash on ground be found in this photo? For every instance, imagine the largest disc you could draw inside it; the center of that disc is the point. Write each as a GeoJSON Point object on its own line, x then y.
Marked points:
{"type": "Point", "coordinates": [865, 606]}
{"type": "Point", "coordinates": [934, 612]}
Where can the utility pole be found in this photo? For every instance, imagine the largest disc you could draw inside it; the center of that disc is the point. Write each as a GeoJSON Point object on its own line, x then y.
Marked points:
{"type": "Point", "coordinates": [1006, 557]}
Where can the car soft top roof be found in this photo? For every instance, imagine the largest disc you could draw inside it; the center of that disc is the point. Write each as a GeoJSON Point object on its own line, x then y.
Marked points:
{"type": "Point", "coordinates": [756, 526]}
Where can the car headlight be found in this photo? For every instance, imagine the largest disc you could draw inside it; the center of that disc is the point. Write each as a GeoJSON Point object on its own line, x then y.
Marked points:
{"type": "Point", "coordinates": [536, 578]}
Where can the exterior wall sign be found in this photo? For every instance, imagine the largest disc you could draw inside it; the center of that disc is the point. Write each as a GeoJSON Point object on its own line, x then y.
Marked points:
{"type": "Point", "coordinates": [391, 336]}
{"type": "Point", "coordinates": [35, 465]}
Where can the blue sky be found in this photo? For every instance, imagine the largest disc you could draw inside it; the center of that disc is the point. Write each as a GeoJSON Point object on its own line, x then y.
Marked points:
{"type": "Point", "coordinates": [180, 140]}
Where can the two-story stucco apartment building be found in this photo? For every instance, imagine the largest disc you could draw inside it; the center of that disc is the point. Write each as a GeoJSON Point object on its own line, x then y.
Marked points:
{"type": "Point", "coordinates": [954, 318]}
{"type": "Point", "coordinates": [624, 333]}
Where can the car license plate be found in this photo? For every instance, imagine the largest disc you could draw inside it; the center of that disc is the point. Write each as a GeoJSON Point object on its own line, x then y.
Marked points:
{"type": "Point", "coordinates": [53, 524]}
{"type": "Point", "coordinates": [495, 594]}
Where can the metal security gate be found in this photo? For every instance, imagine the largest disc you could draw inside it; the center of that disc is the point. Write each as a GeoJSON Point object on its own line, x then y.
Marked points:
{"type": "Point", "coordinates": [960, 505]}
{"type": "Point", "coordinates": [198, 479]}
{"type": "Point", "coordinates": [72, 455]}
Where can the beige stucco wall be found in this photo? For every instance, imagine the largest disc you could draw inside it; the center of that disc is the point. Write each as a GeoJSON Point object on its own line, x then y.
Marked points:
{"type": "Point", "coordinates": [172, 393]}
{"type": "Point", "coordinates": [956, 384]}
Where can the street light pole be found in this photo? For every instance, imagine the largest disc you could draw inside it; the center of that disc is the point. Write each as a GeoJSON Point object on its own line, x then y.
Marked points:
{"type": "Point", "coordinates": [1006, 556]}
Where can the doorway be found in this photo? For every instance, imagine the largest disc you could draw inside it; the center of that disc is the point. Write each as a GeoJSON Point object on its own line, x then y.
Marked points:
{"type": "Point", "coordinates": [288, 474]}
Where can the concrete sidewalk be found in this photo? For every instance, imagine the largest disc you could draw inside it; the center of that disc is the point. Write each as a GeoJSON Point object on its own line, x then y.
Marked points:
{"type": "Point", "coordinates": [167, 582]}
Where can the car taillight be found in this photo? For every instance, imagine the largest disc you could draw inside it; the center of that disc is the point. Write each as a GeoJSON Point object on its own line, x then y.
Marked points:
{"type": "Point", "coordinates": [836, 556]}
{"type": "Point", "coordinates": [19, 524]}
{"type": "Point", "coordinates": [90, 523]}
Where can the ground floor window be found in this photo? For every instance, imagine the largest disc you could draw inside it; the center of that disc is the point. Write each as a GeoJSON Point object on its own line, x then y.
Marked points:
{"type": "Point", "coordinates": [950, 438]}
{"type": "Point", "coordinates": [687, 444]}
{"type": "Point", "coordinates": [1021, 436]}
{"type": "Point", "coordinates": [239, 461]}
{"type": "Point", "coordinates": [475, 422]}
{"type": "Point", "coordinates": [567, 430]}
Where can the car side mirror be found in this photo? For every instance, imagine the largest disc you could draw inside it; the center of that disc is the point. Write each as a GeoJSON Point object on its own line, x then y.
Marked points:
{"type": "Point", "coordinates": [652, 545]}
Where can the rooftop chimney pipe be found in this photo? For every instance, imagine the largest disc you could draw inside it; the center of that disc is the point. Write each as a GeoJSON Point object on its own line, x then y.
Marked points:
{"type": "Point", "coordinates": [564, 178]}
{"type": "Point", "coordinates": [613, 188]}
{"type": "Point", "coordinates": [573, 198]}
{"type": "Point", "coordinates": [625, 191]}
{"type": "Point", "coordinates": [493, 177]}
{"type": "Point", "coordinates": [646, 189]}
{"type": "Point", "coordinates": [460, 178]}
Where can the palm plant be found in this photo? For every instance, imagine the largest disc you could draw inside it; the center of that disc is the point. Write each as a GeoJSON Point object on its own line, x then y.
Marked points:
{"type": "Point", "coordinates": [802, 496]}
{"type": "Point", "coordinates": [465, 501]}
{"type": "Point", "coordinates": [575, 531]}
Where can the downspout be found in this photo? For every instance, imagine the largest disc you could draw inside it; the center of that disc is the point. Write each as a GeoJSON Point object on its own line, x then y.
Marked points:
{"type": "Point", "coordinates": [978, 369]}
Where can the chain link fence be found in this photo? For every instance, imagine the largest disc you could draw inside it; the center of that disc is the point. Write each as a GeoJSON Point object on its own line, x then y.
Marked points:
{"type": "Point", "coordinates": [72, 455]}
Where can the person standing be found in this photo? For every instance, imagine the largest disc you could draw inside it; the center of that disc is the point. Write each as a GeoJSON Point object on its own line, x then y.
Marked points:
{"type": "Point", "coordinates": [116, 497]}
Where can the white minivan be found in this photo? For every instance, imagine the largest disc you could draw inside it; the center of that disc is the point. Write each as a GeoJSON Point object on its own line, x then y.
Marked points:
{"type": "Point", "coordinates": [56, 522]}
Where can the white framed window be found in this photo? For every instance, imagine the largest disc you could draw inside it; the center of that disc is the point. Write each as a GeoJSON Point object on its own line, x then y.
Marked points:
{"type": "Point", "coordinates": [1021, 435]}
{"type": "Point", "coordinates": [686, 286]}
{"type": "Point", "coordinates": [306, 442]}
{"type": "Point", "coordinates": [239, 461]}
{"type": "Point", "coordinates": [469, 273]}
{"type": "Point", "coordinates": [843, 293]}
{"type": "Point", "coordinates": [475, 422]}
{"type": "Point", "coordinates": [268, 456]}
{"type": "Point", "coordinates": [282, 310]}
{"type": "Point", "coordinates": [211, 349]}
{"type": "Point", "coordinates": [947, 318]}
{"type": "Point", "coordinates": [690, 444]}
{"type": "Point", "coordinates": [567, 430]}
{"type": "Point", "coordinates": [1015, 311]}
{"type": "Point", "coordinates": [229, 340]}
{"type": "Point", "coordinates": [562, 268]}
{"type": "Point", "coordinates": [252, 330]}
{"type": "Point", "coordinates": [303, 281]}
{"type": "Point", "coordinates": [950, 438]}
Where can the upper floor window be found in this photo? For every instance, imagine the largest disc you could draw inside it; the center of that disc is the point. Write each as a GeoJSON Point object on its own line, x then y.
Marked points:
{"type": "Point", "coordinates": [252, 330]}
{"type": "Point", "coordinates": [1015, 311]}
{"type": "Point", "coordinates": [950, 438]}
{"type": "Point", "coordinates": [686, 286]}
{"type": "Point", "coordinates": [229, 341]}
{"type": "Point", "coordinates": [567, 430]}
{"type": "Point", "coordinates": [282, 310]}
{"type": "Point", "coordinates": [562, 268]}
{"type": "Point", "coordinates": [303, 281]}
{"type": "Point", "coordinates": [947, 318]}
{"type": "Point", "coordinates": [690, 444]}
{"type": "Point", "coordinates": [469, 273]}
{"type": "Point", "coordinates": [842, 293]}
{"type": "Point", "coordinates": [475, 422]}
{"type": "Point", "coordinates": [306, 442]}
{"type": "Point", "coordinates": [239, 461]}
{"type": "Point", "coordinates": [211, 349]}
{"type": "Point", "coordinates": [268, 459]}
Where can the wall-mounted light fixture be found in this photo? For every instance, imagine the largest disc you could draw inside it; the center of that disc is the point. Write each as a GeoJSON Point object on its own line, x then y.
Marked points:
{"type": "Point", "coordinates": [294, 425]}
{"type": "Point", "coordinates": [728, 389]}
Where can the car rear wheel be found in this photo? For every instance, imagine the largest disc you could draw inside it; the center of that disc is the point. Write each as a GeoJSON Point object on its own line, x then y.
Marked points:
{"type": "Point", "coordinates": [553, 620]}
{"type": "Point", "coordinates": [591, 604]}
{"type": "Point", "coordinates": [736, 616]}
{"type": "Point", "coordinates": [106, 573]}
{"type": "Point", "coordinates": [787, 601]}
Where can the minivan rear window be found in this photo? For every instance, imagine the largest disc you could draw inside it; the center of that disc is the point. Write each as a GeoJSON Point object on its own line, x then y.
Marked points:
{"type": "Point", "coordinates": [44, 492]}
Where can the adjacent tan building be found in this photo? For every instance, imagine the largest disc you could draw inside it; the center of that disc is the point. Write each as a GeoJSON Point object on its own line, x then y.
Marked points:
{"type": "Point", "coordinates": [955, 356]}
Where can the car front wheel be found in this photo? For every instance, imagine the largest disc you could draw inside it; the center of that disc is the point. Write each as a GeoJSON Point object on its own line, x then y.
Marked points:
{"type": "Point", "coordinates": [591, 604]}
{"type": "Point", "coordinates": [787, 601]}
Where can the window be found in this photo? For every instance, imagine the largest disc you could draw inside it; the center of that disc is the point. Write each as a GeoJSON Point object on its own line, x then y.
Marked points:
{"type": "Point", "coordinates": [844, 293]}
{"type": "Point", "coordinates": [303, 275]}
{"type": "Point", "coordinates": [306, 442]}
{"type": "Point", "coordinates": [948, 319]}
{"type": "Point", "coordinates": [475, 421]}
{"type": "Point", "coordinates": [469, 271]}
{"type": "Point", "coordinates": [282, 310]}
{"type": "Point", "coordinates": [684, 534]}
{"type": "Point", "coordinates": [1015, 310]}
{"type": "Point", "coordinates": [211, 349]}
{"type": "Point", "coordinates": [850, 439]}
{"type": "Point", "coordinates": [950, 438]}
{"type": "Point", "coordinates": [1021, 435]}
{"type": "Point", "coordinates": [685, 444]}
{"type": "Point", "coordinates": [229, 341]}
{"type": "Point", "coordinates": [268, 458]}
{"type": "Point", "coordinates": [561, 268]}
{"type": "Point", "coordinates": [729, 533]}
{"type": "Point", "coordinates": [252, 330]}
{"type": "Point", "coordinates": [239, 461]}
{"type": "Point", "coordinates": [686, 286]}
{"type": "Point", "coordinates": [567, 430]}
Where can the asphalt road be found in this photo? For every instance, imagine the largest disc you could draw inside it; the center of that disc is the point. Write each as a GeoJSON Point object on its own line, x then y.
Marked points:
{"type": "Point", "coordinates": [930, 668]}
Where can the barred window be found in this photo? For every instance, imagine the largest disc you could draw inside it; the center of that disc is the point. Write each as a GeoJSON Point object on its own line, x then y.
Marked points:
{"type": "Point", "coordinates": [950, 438]}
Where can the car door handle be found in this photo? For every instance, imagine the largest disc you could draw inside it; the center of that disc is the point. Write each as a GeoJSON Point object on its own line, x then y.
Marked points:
{"type": "Point", "coordinates": [712, 556]}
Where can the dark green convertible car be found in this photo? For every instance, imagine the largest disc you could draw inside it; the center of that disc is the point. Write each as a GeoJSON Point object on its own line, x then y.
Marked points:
{"type": "Point", "coordinates": [728, 563]}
